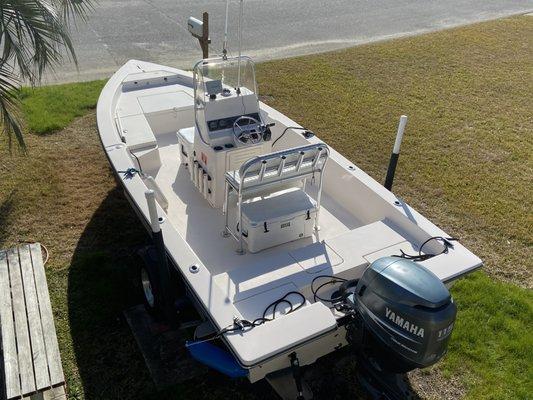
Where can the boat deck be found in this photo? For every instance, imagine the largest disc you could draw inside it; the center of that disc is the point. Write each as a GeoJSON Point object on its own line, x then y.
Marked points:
{"type": "Point", "coordinates": [283, 268]}
{"type": "Point", "coordinates": [201, 225]}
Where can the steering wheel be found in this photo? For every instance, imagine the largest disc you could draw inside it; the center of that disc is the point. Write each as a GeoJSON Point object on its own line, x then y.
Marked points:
{"type": "Point", "coordinates": [250, 132]}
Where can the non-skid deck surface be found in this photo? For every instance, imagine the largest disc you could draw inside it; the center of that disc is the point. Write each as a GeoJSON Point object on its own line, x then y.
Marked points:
{"type": "Point", "coordinates": [31, 364]}
{"type": "Point", "coordinates": [201, 225]}
{"type": "Point", "coordinates": [341, 247]}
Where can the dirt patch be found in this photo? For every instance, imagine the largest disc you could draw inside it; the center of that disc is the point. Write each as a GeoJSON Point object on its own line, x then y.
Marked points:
{"type": "Point", "coordinates": [430, 384]}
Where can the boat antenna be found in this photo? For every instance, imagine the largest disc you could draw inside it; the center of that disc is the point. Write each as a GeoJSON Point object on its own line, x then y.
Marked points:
{"type": "Point", "coordinates": [225, 43]}
{"type": "Point", "coordinates": [240, 48]}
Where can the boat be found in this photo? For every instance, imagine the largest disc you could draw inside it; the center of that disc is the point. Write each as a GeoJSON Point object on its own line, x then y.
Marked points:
{"type": "Point", "coordinates": [288, 250]}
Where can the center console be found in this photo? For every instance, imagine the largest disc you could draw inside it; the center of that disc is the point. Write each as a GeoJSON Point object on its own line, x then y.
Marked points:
{"type": "Point", "coordinates": [229, 128]}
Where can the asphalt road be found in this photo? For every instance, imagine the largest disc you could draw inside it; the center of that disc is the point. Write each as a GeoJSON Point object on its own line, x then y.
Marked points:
{"type": "Point", "coordinates": [156, 30]}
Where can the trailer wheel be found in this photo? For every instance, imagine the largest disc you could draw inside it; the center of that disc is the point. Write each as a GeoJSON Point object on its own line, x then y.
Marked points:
{"type": "Point", "coordinates": [150, 293]}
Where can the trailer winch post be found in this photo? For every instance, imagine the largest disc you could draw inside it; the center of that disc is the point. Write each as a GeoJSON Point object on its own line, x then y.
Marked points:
{"type": "Point", "coordinates": [297, 375]}
{"type": "Point", "coordinates": [163, 271]}
{"type": "Point", "coordinates": [395, 153]}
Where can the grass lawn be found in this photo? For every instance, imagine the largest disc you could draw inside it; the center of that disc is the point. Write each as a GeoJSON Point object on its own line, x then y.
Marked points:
{"type": "Point", "coordinates": [467, 164]}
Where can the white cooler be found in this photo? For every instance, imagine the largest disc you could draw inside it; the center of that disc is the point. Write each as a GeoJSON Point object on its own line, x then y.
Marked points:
{"type": "Point", "coordinates": [279, 218]}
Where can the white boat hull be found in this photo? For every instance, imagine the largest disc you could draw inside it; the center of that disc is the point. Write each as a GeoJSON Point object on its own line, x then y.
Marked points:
{"type": "Point", "coordinates": [360, 221]}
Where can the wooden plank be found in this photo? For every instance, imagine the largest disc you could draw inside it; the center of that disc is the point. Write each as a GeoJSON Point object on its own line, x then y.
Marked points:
{"type": "Point", "coordinates": [55, 393]}
{"type": "Point", "coordinates": [47, 318]}
{"type": "Point", "coordinates": [38, 350]}
{"type": "Point", "coordinates": [27, 379]}
{"type": "Point", "coordinates": [9, 347]}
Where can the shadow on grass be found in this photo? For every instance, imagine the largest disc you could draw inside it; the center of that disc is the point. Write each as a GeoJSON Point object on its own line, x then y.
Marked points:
{"type": "Point", "coordinates": [6, 208]}
{"type": "Point", "coordinates": [99, 288]}
{"type": "Point", "coordinates": [101, 285]}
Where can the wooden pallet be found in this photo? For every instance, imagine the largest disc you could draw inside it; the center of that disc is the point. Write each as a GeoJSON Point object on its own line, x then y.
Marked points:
{"type": "Point", "coordinates": [31, 364]}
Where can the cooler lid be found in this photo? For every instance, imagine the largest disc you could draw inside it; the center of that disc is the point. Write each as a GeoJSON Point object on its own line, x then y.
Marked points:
{"type": "Point", "coordinates": [279, 205]}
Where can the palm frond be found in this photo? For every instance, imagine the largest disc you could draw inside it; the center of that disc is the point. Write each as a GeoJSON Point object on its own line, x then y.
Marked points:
{"type": "Point", "coordinates": [9, 106]}
{"type": "Point", "coordinates": [76, 9]}
{"type": "Point", "coordinates": [34, 37]}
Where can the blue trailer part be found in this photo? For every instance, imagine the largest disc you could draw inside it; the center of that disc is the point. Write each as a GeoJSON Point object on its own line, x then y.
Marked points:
{"type": "Point", "coordinates": [216, 358]}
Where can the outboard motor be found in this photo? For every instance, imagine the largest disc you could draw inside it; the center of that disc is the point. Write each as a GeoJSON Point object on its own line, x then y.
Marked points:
{"type": "Point", "coordinates": [402, 319]}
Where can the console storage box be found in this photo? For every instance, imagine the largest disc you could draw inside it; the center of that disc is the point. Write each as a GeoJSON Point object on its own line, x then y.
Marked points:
{"type": "Point", "coordinates": [278, 218]}
{"type": "Point", "coordinates": [186, 145]}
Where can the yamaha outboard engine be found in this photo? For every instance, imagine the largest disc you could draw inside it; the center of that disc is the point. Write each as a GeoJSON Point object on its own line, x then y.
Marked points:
{"type": "Point", "coordinates": [402, 319]}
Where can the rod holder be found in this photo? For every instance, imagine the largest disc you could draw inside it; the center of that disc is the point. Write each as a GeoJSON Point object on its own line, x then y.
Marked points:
{"type": "Point", "coordinates": [395, 155]}
{"type": "Point", "coordinates": [152, 211]}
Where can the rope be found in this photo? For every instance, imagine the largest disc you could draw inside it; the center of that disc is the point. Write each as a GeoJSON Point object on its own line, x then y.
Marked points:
{"type": "Point", "coordinates": [244, 325]}
{"type": "Point", "coordinates": [47, 253]}
{"type": "Point", "coordinates": [423, 257]}
{"type": "Point", "coordinates": [130, 172]}
{"type": "Point", "coordinates": [307, 133]}
{"type": "Point", "coordinates": [333, 280]}
{"type": "Point", "coordinates": [43, 247]}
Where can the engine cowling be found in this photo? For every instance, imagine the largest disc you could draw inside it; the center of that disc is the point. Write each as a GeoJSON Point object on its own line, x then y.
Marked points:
{"type": "Point", "coordinates": [404, 314]}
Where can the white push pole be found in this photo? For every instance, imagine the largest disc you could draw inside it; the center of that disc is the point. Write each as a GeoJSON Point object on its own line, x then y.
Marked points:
{"type": "Point", "coordinates": [399, 134]}
{"type": "Point", "coordinates": [395, 153]}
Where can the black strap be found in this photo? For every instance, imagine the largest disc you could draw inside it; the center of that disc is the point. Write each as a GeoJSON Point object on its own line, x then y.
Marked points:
{"type": "Point", "coordinates": [245, 234]}
{"type": "Point", "coordinates": [265, 226]}
{"type": "Point", "coordinates": [446, 241]}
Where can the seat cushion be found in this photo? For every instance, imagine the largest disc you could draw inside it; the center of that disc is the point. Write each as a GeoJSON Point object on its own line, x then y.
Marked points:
{"type": "Point", "coordinates": [277, 206]}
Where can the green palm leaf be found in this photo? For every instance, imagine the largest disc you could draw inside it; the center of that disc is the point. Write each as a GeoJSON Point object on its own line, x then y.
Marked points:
{"type": "Point", "coordinates": [34, 37]}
